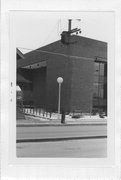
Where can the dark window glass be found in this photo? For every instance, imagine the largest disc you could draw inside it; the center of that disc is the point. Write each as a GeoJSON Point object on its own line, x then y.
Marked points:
{"type": "Point", "coordinates": [100, 84]}
{"type": "Point", "coordinates": [101, 69]}
{"type": "Point", "coordinates": [96, 69]}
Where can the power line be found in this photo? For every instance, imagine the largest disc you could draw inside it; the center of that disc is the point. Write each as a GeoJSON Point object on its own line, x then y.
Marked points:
{"type": "Point", "coordinates": [59, 31]}
{"type": "Point", "coordinates": [51, 32]}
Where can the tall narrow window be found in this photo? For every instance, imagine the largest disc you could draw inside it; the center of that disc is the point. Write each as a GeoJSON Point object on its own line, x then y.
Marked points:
{"type": "Point", "coordinates": [100, 86]}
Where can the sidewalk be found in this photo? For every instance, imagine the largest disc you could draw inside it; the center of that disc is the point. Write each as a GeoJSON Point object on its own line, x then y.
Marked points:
{"type": "Point", "coordinates": [54, 121]}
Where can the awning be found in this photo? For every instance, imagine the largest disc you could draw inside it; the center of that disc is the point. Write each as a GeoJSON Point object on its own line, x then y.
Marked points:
{"type": "Point", "coordinates": [21, 79]}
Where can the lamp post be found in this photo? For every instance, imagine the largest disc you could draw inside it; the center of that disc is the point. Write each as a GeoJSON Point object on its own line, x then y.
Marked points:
{"type": "Point", "coordinates": [60, 81]}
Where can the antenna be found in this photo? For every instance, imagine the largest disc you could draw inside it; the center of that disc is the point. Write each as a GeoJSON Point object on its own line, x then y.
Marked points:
{"type": "Point", "coordinates": [75, 30]}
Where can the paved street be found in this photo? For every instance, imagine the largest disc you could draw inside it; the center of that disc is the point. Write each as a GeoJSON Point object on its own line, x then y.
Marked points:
{"type": "Point", "coordinates": [62, 141]}
{"type": "Point", "coordinates": [44, 132]}
{"type": "Point", "coordinates": [87, 148]}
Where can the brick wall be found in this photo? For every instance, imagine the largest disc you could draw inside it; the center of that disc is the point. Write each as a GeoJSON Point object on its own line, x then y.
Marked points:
{"type": "Point", "coordinates": [58, 66]}
{"type": "Point", "coordinates": [39, 87]}
{"type": "Point", "coordinates": [77, 74]}
{"type": "Point", "coordinates": [82, 85]}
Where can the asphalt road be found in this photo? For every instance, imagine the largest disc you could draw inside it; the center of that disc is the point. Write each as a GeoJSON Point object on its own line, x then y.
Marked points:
{"type": "Point", "coordinates": [46, 132]}
{"type": "Point", "coordinates": [76, 141]}
{"type": "Point", "coordinates": [84, 148]}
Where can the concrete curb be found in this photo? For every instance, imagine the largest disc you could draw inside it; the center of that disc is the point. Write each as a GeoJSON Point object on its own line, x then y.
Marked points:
{"type": "Point", "coordinates": [58, 139]}
{"type": "Point", "coordinates": [76, 124]}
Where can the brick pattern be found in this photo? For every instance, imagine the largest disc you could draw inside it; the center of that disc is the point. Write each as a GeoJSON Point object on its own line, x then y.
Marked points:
{"type": "Point", "coordinates": [58, 67]}
{"type": "Point", "coordinates": [39, 87]}
{"type": "Point", "coordinates": [77, 88]}
{"type": "Point", "coordinates": [82, 85]}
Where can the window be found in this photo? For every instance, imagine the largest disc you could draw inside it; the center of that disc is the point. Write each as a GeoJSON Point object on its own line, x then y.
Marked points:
{"type": "Point", "coordinates": [100, 83]}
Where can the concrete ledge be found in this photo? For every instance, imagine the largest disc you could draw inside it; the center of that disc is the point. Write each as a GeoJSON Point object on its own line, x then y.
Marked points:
{"type": "Point", "coordinates": [39, 124]}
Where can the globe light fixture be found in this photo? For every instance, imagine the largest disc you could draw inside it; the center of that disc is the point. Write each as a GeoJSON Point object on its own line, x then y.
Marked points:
{"type": "Point", "coordinates": [60, 80]}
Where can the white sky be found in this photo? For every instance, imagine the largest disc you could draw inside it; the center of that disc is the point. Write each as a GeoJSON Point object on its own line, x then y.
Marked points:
{"type": "Point", "coordinates": [36, 29]}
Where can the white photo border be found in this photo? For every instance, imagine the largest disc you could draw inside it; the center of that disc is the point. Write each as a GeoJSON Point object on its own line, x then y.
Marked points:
{"type": "Point", "coordinates": [42, 168]}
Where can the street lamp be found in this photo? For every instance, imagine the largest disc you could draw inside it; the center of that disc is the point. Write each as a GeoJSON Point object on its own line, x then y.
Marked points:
{"type": "Point", "coordinates": [60, 81]}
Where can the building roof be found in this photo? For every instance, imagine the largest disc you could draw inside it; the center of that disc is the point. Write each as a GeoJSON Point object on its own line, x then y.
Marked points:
{"type": "Point", "coordinates": [80, 46]}
{"type": "Point", "coordinates": [19, 54]}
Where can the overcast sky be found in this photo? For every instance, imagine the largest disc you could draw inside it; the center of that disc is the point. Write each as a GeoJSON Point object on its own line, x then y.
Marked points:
{"type": "Point", "coordinates": [36, 29]}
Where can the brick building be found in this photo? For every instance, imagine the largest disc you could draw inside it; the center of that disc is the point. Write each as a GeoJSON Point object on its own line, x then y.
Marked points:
{"type": "Point", "coordinates": [83, 65]}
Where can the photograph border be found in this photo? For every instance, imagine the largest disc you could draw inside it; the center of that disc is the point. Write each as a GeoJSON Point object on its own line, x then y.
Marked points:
{"type": "Point", "coordinates": [110, 53]}
{"type": "Point", "coordinates": [9, 163]}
